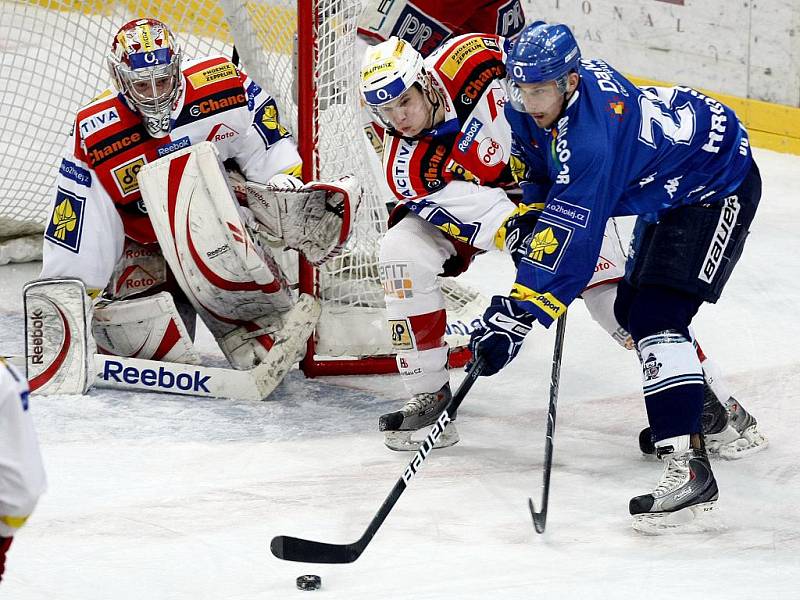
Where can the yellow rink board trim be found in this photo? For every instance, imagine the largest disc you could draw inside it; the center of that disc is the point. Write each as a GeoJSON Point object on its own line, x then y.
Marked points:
{"type": "Point", "coordinates": [195, 17]}
{"type": "Point", "coordinates": [771, 126]}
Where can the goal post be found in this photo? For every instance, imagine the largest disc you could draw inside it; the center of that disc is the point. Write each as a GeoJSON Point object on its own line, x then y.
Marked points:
{"type": "Point", "coordinates": [302, 52]}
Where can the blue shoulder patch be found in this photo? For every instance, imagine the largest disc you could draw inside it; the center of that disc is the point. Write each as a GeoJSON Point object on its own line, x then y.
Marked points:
{"type": "Point", "coordinates": [66, 222]}
{"type": "Point", "coordinates": [77, 174]}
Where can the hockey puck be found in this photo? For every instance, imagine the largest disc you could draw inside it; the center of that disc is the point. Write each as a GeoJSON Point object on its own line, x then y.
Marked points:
{"type": "Point", "coordinates": [309, 582]}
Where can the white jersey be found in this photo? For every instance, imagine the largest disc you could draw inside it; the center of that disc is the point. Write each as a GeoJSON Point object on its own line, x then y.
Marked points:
{"type": "Point", "coordinates": [22, 478]}
{"type": "Point", "coordinates": [97, 201]}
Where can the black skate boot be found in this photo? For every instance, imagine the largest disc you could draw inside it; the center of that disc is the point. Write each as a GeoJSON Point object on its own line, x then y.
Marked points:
{"type": "Point", "coordinates": [687, 489]}
{"type": "Point", "coordinates": [729, 430]}
{"type": "Point", "coordinates": [419, 412]}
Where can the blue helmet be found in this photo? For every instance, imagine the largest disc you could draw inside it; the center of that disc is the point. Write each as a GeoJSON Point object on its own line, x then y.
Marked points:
{"type": "Point", "coordinates": [543, 53]}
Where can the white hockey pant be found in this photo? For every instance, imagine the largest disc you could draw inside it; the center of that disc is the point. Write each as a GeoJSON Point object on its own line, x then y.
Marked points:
{"type": "Point", "coordinates": [411, 257]}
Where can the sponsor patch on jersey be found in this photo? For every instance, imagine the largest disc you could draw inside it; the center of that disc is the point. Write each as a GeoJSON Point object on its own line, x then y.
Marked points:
{"type": "Point", "coordinates": [142, 60]}
{"type": "Point", "coordinates": [125, 175]}
{"type": "Point", "coordinates": [448, 223]}
{"type": "Point", "coordinates": [571, 213]}
{"type": "Point", "coordinates": [548, 303]}
{"type": "Point", "coordinates": [548, 244]}
{"type": "Point", "coordinates": [396, 279]}
{"type": "Point", "coordinates": [253, 90]}
{"type": "Point", "coordinates": [420, 30]}
{"type": "Point", "coordinates": [77, 174]}
{"type": "Point", "coordinates": [401, 334]}
{"type": "Point", "coordinates": [221, 132]}
{"type": "Point", "coordinates": [213, 75]}
{"type": "Point", "coordinates": [490, 152]}
{"type": "Point", "coordinates": [211, 105]}
{"type": "Point", "coordinates": [479, 80]}
{"type": "Point", "coordinates": [460, 53]}
{"type": "Point", "coordinates": [173, 146]}
{"type": "Point", "coordinates": [468, 134]}
{"type": "Point", "coordinates": [95, 122]}
{"type": "Point", "coordinates": [115, 145]}
{"type": "Point", "coordinates": [66, 221]}
{"type": "Point", "coordinates": [510, 19]}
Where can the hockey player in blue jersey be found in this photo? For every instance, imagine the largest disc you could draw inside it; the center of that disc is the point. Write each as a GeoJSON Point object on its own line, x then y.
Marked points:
{"type": "Point", "coordinates": [595, 146]}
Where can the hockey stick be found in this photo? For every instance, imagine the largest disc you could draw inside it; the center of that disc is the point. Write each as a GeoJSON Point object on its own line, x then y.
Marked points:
{"type": "Point", "coordinates": [540, 516]}
{"type": "Point", "coordinates": [291, 548]}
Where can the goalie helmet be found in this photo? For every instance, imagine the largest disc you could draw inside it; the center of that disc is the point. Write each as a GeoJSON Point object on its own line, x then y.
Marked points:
{"type": "Point", "coordinates": [145, 62]}
{"type": "Point", "coordinates": [542, 53]}
{"type": "Point", "coordinates": [388, 70]}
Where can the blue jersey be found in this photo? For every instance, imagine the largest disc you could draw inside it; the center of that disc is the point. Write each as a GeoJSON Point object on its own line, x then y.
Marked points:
{"type": "Point", "coordinates": [616, 150]}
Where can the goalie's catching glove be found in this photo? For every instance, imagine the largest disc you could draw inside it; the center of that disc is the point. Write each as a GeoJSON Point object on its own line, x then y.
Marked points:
{"type": "Point", "coordinates": [499, 339]}
{"type": "Point", "coordinates": [315, 219]}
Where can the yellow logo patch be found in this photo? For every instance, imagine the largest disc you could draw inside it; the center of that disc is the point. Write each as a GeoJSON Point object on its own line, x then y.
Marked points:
{"type": "Point", "coordinates": [544, 242]}
{"type": "Point", "coordinates": [401, 334]}
{"type": "Point", "coordinates": [126, 175]}
{"type": "Point", "coordinates": [213, 75]}
{"type": "Point", "coordinates": [64, 218]}
{"type": "Point", "coordinates": [459, 55]}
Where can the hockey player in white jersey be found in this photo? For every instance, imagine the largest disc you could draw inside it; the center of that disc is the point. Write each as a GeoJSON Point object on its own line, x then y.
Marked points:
{"type": "Point", "coordinates": [449, 161]}
{"type": "Point", "coordinates": [22, 477]}
{"type": "Point", "coordinates": [145, 212]}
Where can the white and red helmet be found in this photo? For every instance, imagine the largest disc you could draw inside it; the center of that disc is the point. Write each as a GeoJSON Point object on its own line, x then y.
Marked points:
{"type": "Point", "coordinates": [145, 63]}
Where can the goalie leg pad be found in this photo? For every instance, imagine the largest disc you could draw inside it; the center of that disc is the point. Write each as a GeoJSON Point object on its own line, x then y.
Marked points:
{"type": "Point", "coordinates": [58, 348]}
{"type": "Point", "coordinates": [148, 328]}
{"type": "Point", "coordinates": [230, 281]}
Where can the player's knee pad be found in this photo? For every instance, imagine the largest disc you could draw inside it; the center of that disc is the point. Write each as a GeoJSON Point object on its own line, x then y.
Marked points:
{"type": "Point", "coordinates": [149, 328]}
{"type": "Point", "coordinates": [654, 309]}
{"type": "Point", "coordinates": [411, 257]}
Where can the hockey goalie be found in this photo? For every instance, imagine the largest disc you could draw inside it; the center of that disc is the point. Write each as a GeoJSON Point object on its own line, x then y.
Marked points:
{"type": "Point", "coordinates": [174, 189]}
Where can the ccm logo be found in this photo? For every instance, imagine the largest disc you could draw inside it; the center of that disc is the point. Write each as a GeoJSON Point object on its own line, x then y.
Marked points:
{"type": "Point", "coordinates": [162, 378]}
{"type": "Point", "coordinates": [37, 338]}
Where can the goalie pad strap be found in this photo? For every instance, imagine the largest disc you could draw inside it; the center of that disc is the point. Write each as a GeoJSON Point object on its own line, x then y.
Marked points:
{"type": "Point", "coordinates": [59, 351]}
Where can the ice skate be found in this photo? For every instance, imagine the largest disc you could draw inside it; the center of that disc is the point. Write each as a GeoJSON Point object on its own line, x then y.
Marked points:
{"type": "Point", "coordinates": [730, 431]}
{"type": "Point", "coordinates": [686, 492]}
{"type": "Point", "coordinates": [418, 413]}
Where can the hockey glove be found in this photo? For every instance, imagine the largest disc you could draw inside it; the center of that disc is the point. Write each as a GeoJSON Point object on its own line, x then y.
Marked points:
{"type": "Point", "coordinates": [515, 232]}
{"type": "Point", "coordinates": [498, 341]}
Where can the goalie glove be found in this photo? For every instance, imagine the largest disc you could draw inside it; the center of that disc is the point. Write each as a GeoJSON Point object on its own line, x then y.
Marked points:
{"type": "Point", "coordinates": [315, 219]}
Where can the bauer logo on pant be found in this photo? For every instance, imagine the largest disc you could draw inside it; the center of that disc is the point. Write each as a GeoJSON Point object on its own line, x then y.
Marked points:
{"type": "Point", "coordinates": [66, 222]}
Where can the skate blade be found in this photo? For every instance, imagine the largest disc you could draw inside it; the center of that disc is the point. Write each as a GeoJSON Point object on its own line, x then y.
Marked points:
{"type": "Point", "coordinates": [693, 519]}
{"type": "Point", "coordinates": [749, 442]}
{"type": "Point", "coordinates": [401, 441]}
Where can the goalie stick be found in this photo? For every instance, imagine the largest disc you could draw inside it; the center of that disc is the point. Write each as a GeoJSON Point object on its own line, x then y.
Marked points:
{"type": "Point", "coordinates": [540, 516]}
{"type": "Point", "coordinates": [297, 549]}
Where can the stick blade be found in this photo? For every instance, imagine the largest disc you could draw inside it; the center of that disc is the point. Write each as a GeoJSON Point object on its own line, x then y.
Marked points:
{"type": "Point", "coordinates": [539, 518]}
{"type": "Point", "coordinates": [295, 549]}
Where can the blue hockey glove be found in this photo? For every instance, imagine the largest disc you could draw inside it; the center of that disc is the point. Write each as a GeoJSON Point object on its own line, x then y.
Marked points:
{"type": "Point", "coordinates": [515, 232]}
{"type": "Point", "coordinates": [498, 341]}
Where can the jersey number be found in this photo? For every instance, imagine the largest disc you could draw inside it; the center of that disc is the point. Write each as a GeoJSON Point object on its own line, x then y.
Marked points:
{"type": "Point", "coordinates": [677, 126]}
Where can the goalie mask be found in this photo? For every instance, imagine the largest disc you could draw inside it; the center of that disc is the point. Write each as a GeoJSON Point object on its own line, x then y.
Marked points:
{"type": "Point", "coordinates": [145, 63]}
{"type": "Point", "coordinates": [388, 72]}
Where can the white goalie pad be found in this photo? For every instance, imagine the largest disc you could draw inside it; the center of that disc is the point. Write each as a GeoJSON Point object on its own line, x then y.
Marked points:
{"type": "Point", "coordinates": [148, 328]}
{"type": "Point", "coordinates": [315, 219]}
{"type": "Point", "coordinates": [236, 287]}
{"type": "Point", "coordinates": [58, 349]}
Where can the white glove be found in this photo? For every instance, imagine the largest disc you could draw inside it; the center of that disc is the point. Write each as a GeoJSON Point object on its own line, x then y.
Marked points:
{"type": "Point", "coordinates": [283, 181]}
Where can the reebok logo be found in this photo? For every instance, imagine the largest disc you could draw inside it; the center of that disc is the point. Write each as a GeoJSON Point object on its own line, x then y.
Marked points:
{"type": "Point", "coordinates": [162, 378]}
{"type": "Point", "coordinates": [36, 353]}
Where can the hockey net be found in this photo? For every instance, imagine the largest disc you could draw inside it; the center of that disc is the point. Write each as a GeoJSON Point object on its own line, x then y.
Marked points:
{"type": "Point", "coordinates": [52, 60]}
